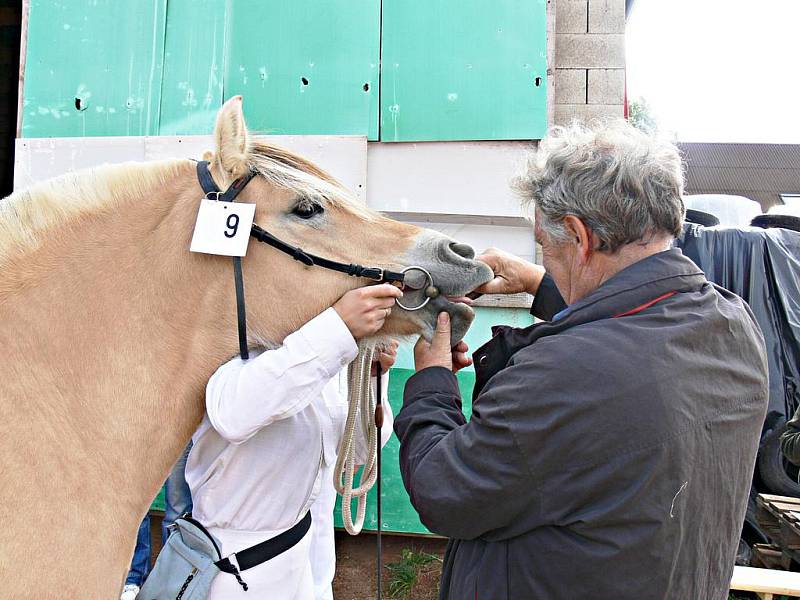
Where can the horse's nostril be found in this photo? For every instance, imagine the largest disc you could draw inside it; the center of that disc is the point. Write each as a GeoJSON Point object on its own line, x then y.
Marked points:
{"type": "Point", "coordinates": [463, 250]}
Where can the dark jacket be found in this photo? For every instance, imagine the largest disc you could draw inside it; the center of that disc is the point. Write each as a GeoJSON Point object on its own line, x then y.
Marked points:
{"type": "Point", "coordinates": [790, 439]}
{"type": "Point", "coordinates": [610, 452]}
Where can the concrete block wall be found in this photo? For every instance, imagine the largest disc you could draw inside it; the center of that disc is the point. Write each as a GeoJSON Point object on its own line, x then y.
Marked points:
{"type": "Point", "coordinates": [589, 60]}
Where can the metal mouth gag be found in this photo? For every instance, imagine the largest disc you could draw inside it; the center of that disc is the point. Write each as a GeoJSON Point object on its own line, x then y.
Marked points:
{"type": "Point", "coordinates": [417, 279]}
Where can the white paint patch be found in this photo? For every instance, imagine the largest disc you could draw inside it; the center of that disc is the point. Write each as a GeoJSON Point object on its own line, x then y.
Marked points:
{"type": "Point", "coordinates": [675, 497]}
{"type": "Point", "coordinates": [452, 96]}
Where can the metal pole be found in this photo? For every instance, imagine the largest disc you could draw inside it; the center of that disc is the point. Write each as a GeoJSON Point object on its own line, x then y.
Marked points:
{"type": "Point", "coordinates": [379, 425]}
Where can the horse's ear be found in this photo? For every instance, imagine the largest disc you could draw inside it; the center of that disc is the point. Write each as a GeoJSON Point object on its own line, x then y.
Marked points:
{"type": "Point", "coordinates": [231, 139]}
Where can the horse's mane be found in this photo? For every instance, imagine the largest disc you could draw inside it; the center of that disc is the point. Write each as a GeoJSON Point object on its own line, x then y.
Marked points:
{"type": "Point", "coordinates": [63, 200]}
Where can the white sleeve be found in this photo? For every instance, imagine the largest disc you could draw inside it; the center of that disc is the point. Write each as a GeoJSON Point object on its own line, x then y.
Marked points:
{"type": "Point", "coordinates": [244, 396]}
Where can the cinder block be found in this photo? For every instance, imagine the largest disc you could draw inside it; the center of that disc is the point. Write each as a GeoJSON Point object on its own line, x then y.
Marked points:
{"type": "Point", "coordinates": [566, 113]}
{"type": "Point", "coordinates": [590, 51]}
{"type": "Point", "coordinates": [570, 86]}
{"type": "Point", "coordinates": [606, 86]}
{"type": "Point", "coordinates": [606, 16]}
{"type": "Point", "coordinates": [572, 16]}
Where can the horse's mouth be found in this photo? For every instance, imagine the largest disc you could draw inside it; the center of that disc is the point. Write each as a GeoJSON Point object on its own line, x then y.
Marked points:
{"type": "Point", "coordinates": [461, 300]}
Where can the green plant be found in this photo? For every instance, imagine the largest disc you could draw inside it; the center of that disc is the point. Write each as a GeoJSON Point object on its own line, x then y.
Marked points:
{"type": "Point", "coordinates": [404, 573]}
{"type": "Point", "coordinates": [640, 115]}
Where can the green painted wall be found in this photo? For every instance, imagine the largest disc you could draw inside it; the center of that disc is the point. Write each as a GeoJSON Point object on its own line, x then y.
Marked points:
{"type": "Point", "coordinates": [452, 69]}
{"type": "Point", "coordinates": [303, 65]}
{"type": "Point", "coordinates": [194, 63]}
{"type": "Point", "coordinates": [472, 70]}
{"type": "Point", "coordinates": [94, 67]}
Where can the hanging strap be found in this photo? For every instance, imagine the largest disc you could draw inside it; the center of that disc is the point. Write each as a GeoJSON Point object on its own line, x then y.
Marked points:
{"type": "Point", "coordinates": [379, 427]}
{"type": "Point", "coordinates": [210, 188]}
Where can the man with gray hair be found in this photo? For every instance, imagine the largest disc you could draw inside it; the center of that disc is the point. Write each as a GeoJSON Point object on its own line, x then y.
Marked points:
{"type": "Point", "coordinates": [611, 447]}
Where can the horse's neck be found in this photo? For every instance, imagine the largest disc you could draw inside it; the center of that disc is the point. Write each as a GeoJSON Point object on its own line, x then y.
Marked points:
{"type": "Point", "coordinates": [120, 330]}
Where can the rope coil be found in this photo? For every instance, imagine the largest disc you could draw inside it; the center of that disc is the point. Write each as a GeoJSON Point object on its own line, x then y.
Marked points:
{"type": "Point", "coordinates": [360, 410]}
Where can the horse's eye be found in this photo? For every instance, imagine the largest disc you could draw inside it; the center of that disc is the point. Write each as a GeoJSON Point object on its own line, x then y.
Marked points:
{"type": "Point", "coordinates": [307, 210]}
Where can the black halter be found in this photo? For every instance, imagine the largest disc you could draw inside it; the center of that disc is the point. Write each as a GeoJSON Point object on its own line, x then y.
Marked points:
{"type": "Point", "coordinates": [262, 235]}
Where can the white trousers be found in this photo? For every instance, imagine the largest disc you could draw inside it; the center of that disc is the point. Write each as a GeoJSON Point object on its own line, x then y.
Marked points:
{"type": "Point", "coordinates": [285, 577]}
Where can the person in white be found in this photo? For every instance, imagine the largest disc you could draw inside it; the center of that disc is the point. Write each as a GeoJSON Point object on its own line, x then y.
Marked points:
{"type": "Point", "coordinates": [264, 454]}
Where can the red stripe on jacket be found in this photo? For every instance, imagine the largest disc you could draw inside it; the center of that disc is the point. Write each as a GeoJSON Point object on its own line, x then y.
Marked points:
{"type": "Point", "coordinates": [639, 309]}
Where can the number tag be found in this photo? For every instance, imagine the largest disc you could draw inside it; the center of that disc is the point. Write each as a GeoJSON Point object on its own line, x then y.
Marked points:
{"type": "Point", "coordinates": [223, 228]}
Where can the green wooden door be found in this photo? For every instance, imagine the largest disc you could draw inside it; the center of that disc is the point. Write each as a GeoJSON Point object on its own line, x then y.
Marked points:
{"type": "Point", "coordinates": [463, 70]}
{"type": "Point", "coordinates": [306, 66]}
{"type": "Point", "coordinates": [94, 67]}
{"type": "Point", "coordinates": [194, 59]}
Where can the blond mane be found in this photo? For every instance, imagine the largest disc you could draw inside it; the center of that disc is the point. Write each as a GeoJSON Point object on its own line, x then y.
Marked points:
{"type": "Point", "coordinates": [62, 201]}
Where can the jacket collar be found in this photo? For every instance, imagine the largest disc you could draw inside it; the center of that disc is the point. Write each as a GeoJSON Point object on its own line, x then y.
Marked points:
{"type": "Point", "coordinates": [635, 287]}
{"type": "Point", "coordinates": [637, 284]}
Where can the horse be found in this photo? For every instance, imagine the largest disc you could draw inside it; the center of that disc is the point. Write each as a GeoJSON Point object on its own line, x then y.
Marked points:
{"type": "Point", "coordinates": [110, 329]}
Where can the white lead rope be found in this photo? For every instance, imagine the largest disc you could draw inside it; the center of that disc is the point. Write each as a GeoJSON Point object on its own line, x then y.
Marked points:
{"type": "Point", "coordinates": [361, 403]}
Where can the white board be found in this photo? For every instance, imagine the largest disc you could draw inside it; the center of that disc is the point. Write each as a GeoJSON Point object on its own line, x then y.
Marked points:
{"type": "Point", "coordinates": [36, 159]}
{"type": "Point", "coordinates": [454, 178]}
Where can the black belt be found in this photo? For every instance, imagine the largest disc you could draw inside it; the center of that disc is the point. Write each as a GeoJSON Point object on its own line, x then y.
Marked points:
{"type": "Point", "coordinates": [267, 550]}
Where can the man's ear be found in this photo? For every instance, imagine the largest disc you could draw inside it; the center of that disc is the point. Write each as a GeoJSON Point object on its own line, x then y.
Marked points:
{"type": "Point", "coordinates": [582, 236]}
{"type": "Point", "coordinates": [231, 140]}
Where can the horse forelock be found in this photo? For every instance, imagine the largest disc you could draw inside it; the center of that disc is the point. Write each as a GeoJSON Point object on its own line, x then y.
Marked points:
{"type": "Point", "coordinates": [292, 171]}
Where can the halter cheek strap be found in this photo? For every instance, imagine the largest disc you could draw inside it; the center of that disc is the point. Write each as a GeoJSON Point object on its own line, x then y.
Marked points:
{"type": "Point", "coordinates": [211, 190]}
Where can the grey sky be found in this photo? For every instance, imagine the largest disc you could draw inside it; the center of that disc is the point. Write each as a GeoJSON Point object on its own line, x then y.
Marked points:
{"type": "Point", "coordinates": [718, 70]}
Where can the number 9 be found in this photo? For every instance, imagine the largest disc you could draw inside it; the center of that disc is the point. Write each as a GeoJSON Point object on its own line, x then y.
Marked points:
{"type": "Point", "coordinates": [232, 224]}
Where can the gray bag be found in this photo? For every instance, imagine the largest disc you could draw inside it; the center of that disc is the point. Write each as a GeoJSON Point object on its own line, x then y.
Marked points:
{"type": "Point", "coordinates": [185, 567]}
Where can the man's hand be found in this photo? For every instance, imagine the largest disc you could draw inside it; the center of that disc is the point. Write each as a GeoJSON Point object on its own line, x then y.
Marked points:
{"type": "Point", "coordinates": [365, 309]}
{"type": "Point", "coordinates": [386, 356]}
{"type": "Point", "coordinates": [438, 353]}
{"type": "Point", "coordinates": [511, 274]}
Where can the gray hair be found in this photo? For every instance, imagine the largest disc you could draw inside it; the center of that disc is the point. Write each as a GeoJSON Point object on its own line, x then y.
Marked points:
{"type": "Point", "coordinates": [622, 183]}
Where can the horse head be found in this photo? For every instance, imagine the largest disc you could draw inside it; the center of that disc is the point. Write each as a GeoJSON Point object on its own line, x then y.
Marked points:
{"type": "Point", "coordinates": [304, 206]}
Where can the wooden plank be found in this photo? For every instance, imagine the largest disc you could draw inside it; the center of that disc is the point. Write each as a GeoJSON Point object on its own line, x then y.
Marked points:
{"type": "Point", "coordinates": [193, 66]}
{"type": "Point", "coordinates": [767, 556]}
{"type": "Point", "coordinates": [463, 70]}
{"type": "Point", "coordinates": [307, 67]}
{"type": "Point", "coordinates": [773, 497]}
{"type": "Point", "coordinates": [751, 579]}
{"type": "Point", "coordinates": [782, 506]}
{"type": "Point", "coordinates": [93, 67]}
{"type": "Point", "coordinates": [790, 535]}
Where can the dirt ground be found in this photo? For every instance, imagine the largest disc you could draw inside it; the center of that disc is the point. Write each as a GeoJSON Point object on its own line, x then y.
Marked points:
{"type": "Point", "coordinates": [355, 564]}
